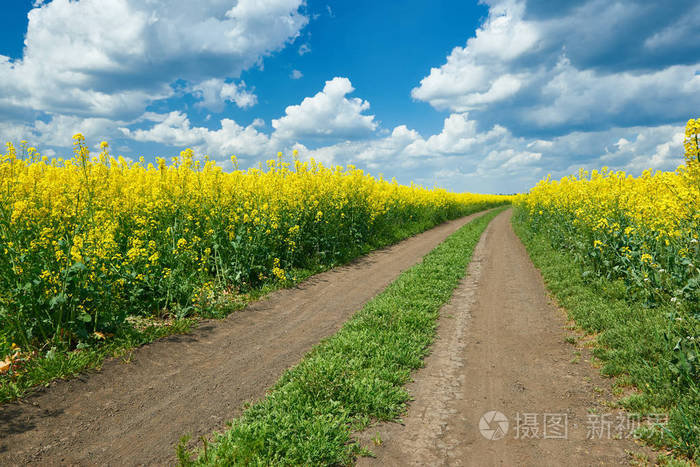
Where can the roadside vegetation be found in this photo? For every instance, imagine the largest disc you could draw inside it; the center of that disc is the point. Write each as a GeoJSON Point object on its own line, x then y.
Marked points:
{"type": "Point", "coordinates": [621, 254]}
{"type": "Point", "coordinates": [352, 378]}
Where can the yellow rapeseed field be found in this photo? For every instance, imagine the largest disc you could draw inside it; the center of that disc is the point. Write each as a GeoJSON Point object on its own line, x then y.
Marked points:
{"type": "Point", "coordinates": [644, 230]}
{"type": "Point", "coordinates": [88, 241]}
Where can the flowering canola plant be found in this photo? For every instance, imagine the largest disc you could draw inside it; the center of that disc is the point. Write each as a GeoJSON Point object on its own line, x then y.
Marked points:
{"type": "Point", "coordinates": [643, 230]}
{"type": "Point", "coordinates": [88, 241]}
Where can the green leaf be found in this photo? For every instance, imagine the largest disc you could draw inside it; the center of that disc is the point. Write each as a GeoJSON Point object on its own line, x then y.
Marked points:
{"type": "Point", "coordinates": [86, 318]}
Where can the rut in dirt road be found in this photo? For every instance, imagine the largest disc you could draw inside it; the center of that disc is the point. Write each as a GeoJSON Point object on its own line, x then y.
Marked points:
{"type": "Point", "coordinates": [500, 347]}
{"type": "Point", "coordinates": [129, 414]}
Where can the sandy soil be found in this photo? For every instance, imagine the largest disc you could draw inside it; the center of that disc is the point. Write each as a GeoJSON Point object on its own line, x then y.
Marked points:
{"type": "Point", "coordinates": [501, 347]}
{"type": "Point", "coordinates": [133, 414]}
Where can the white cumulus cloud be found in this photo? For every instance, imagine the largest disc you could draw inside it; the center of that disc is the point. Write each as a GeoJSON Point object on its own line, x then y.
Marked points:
{"type": "Point", "coordinates": [112, 58]}
{"type": "Point", "coordinates": [583, 65]}
{"type": "Point", "coordinates": [328, 114]}
{"type": "Point", "coordinates": [216, 92]}
{"type": "Point", "coordinates": [479, 73]}
{"type": "Point", "coordinates": [175, 129]}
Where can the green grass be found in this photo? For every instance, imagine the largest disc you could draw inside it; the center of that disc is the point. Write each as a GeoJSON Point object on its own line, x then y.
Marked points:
{"type": "Point", "coordinates": [351, 378]}
{"type": "Point", "coordinates": [59, 361]}
{"type": "Point", "coordinates": [645, 348]}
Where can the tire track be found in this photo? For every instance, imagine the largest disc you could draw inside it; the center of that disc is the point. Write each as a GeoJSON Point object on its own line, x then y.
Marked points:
{"type": "Point", "coordinates": [500, 346]}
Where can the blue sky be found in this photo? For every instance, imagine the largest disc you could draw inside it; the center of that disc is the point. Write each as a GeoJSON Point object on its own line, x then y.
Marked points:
{"type": "Point", "coordinates": [469, 96]}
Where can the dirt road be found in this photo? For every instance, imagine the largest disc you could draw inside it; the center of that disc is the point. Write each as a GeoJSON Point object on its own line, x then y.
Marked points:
{"type": "Point", "coordinates": [130, 414]}
{"type": "Point", "coordinates": [501, 347]}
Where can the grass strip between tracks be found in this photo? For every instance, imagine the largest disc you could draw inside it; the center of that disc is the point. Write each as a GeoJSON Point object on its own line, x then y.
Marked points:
{"type": "Point", "coordinates": [351, 378]}
{"type": "Point", "coordinates": [637, 344]}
